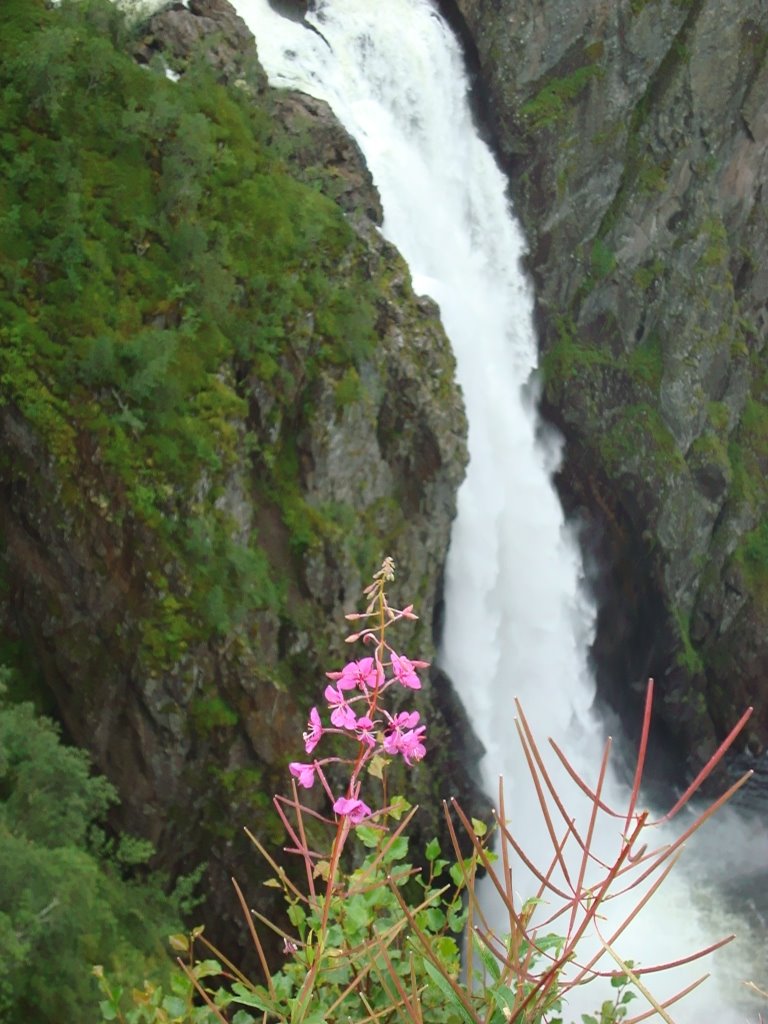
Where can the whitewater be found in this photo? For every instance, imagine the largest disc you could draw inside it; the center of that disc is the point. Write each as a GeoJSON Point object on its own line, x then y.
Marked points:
{"type": "Point", "coordinates": [519, 620]}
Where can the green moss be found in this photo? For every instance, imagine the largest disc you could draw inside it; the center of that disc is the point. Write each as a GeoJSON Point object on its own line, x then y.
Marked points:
{"type": "Point", "coordinates": [716, 250]}
{"type": "Point", "coordinates": [687, 657]}
{"type": "Point", "coordinates": [552, 104]}
{"type": "Point", "coordinates": [645, 362]}
{"type": "Point", "coordinates": [720, 417]}
{"type": "Point", "coordinates": [640, 158]}
{"type": "Point", "coordinates": [210, 713]}
{"type": "Point", "coordinates": [638, 434]}
{"type": "Point", "coordinates": [752, 556]}
{"type": "Point", "coordinates": [651, 175]}
{"type": "Point", "coordinates": [569, 356]}
{"type": "Point", "coordinates": [349, 388]}
{"type": "Point", "coordinates": [709, 448]}
{"type": "Point", "coordinates": [602, 258]}
{"type": "Point", "coordinates": [646, 275]}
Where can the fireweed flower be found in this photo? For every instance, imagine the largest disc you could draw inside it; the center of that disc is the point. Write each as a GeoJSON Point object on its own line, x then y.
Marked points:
{"type": "Point", "coordinates": [402, 736]}
{"type": "Point", "coordinates": [314, 731]}
{"type": "Point", "coordinates": [355, 705]}
{"type": "Point", "coordinates": [305, 773]}
{"type": "Point", "coordinates": [405, 671]}
{"type": "Point", "coordinates": [411, 746]}
{"type": "Point", "coordinates": [361, 675]}
{"type": "Point", "coordinates": [356, 810]}
{"type": "Point", "coordinates": [342, 715]}
{"type": "Point", "coordinates": [364, 731]}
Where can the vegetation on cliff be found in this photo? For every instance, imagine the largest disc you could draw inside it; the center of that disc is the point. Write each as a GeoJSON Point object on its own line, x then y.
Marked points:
{"type": "Point", "coordinates": [220, 401]}
{"type": "Point", "coordinates": [154, 254]}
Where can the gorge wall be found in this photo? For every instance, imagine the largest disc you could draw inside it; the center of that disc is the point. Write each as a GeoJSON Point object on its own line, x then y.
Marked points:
{"type": "Point", "coordinates": [221, 405]}
{"type": "Point", "coordinates": [635, 135]}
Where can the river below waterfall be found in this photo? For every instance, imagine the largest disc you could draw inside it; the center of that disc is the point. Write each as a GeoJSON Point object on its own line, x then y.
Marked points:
{"type": "Point", "coordinates": [518, 619]}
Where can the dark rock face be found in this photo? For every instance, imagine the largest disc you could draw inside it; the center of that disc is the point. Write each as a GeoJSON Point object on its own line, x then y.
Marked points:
{"type": "Point", "coordinates": [211, 28]}
{"type": "Point", "coordinates": [320, 146]}
{"type": "Point", "coordinates": [294, 9]}
{"type": "Point", "coordinates": [636, 139]}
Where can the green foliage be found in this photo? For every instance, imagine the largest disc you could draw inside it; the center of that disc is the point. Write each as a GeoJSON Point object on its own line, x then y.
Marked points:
{"type": "Point", "coordinates": [646, 363]}
{"type": "Point", "coordinates": [648, 274]}
{"type": "Point", "coordinates": [569, 357]}
{"type": "Point", "coordinates": [349, 388]}
{"type": "Point", "coordinates": [209, 713]}
{"type": "Point", "coordinates": [639, 433]}
{"type": "Point", "coordinates": [688, 657]}
{"type": "Point", "coordinates": [603, 259]}
{"type": "Point", "coordinates": [155, 259]}
{"type": "Point", "coordinates": [551, 105]}
{"type": "Point", "coordinates": [70, 896]}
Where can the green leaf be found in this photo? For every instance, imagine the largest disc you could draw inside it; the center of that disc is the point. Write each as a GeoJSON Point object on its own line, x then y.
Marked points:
{"type": "Point", "coordinates": [457, 918]}
{"type": "Point", "coordinates": [504, 997]}
{"type": "Point", "coordinates": [175, 1006]}
{"type": "Point", "coordinates": [257, 997]}
{"type": "Point", "coordinates": [368, 836]}
{"type": "Point", "coordinates": [547, 942]}
{"type": "Point", "coordinates": [377, 765]}
{"type": "Point", "coordinates": [398, 807]}
{"type": "Point", "coordinates": [432, 850]}
{"type": "Point", "coordinates": [490, 962]}
{"type": "Point", "coordinates": [397, 850]}
{"type": "Point", "coordinates": [241, 1017]}
{"type": "Point", "coordinates": [108, 1011]}
{"type": "Point", "coordinates": [358, 912]}
{"type": "Point", "coordinates": [447, 949]}
{"type": "Point", "coordinates": [207, 969]}
{"type": "Point", "coordinates": [587, 1018]}
{"type": "Point", "coordinates": [445, 987]}
{"type": "Point", "coordinates": [431, 919]}
{"type": "Point", "coordinates": [297, 915]}
{"type": "Point", "coordinates": [479, 827]}
{"type": "Point", "coordinates": [179, 942]}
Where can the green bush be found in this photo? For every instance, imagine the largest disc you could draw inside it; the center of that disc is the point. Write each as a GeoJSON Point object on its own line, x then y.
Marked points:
{"type": "Point", "coordinates": [70, 896]}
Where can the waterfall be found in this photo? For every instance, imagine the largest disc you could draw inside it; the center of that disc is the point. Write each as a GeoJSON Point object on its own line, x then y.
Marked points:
{"type": "Point", "coordinates": [518, 621]}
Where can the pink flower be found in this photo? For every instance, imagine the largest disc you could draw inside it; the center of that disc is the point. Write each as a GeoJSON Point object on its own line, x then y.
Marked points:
{"type": "Point", "coordinates": [315, 731]}
{"type": "Point", "coordinates": [411, 746]}
{"type": "Point", "coordinates": [405, 720]}
{"type": "Point", "coordinates": [403, 738]}
{"type": "Point", "coordinates": [305, 773]}
{"type": "Point", "coordinates": [355, 809]}
{"type": "Point", "coordinates": [405, 671]}
{"type": "Point", "coordinates": [342, 715]}
{"type": "Point", "coordinates": [365, 729]}
{"type": "Point", "coordinates": [361, 675]}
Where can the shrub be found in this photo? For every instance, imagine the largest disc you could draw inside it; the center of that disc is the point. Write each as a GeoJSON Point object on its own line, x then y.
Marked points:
{"type": "Point", "coordinates": [69, 894]}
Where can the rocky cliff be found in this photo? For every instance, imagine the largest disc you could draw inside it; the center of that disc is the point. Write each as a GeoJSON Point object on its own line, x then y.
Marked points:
{"type": "Point", "coordinates": [635, 134]}
{"type": "Point", "coordinates": [221, 406]}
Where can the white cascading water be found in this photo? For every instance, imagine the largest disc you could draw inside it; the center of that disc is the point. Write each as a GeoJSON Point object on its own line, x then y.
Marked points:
{"type": "Point", "coordinates": [517, 621]}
